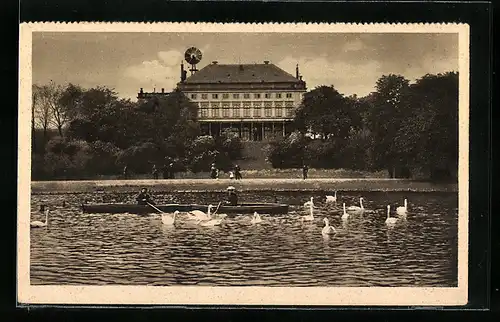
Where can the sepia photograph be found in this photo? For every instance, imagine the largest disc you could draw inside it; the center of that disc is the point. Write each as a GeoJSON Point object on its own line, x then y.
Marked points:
{"type": "Point", "coordinates": [287, 164]}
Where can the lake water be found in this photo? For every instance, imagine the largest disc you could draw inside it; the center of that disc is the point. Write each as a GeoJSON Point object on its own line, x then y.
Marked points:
{"type": "Point", "coordinates": [129, 249]}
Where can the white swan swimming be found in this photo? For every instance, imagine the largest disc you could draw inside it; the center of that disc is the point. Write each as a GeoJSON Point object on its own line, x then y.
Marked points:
{"type": "Point", "coordinates": [309, 203]}
{"type": "Point", "coordinates": [345, 216]}
{"type": "Point", "coordinates": [200, 215]}
{"type": "Point", "coordinates": [39, 224]}
{"type": "Point", "coordinates": [402, 210]}
{"type": "Point", "coordinates": [328, 229]}
{"type": "Point", "coordinates": [211, 222]}
{"type": "Point", "coordinates": [332, 198]}
{"type": "Point", "coordinates": [356, 209]}
{"type": "Point", "coordinates": [390, 220]}
{"type": "Point", "coordinates": [169, 219]}
{"type": "Point", "coordinates": [256, 218]}
{"type": "Point", "coordinates": [309, 217]}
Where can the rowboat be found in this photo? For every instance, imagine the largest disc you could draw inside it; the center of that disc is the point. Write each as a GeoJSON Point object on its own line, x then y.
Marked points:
{"type": "Point", "coordinates": [243, 208]}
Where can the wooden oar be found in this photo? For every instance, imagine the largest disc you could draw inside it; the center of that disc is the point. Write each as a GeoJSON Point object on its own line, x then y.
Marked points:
{"type": "Point", "coordinates": [217, 208]}
{"type": "Point", "coordinates": [161, 212]}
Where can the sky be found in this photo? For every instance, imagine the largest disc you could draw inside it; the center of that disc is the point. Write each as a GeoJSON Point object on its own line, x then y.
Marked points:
{"type": "Point", "coordinates": [352, 63]}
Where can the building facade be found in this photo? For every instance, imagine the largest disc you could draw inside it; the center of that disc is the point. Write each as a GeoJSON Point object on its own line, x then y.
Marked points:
{"type": "Point", "coordinates": [254, 101]}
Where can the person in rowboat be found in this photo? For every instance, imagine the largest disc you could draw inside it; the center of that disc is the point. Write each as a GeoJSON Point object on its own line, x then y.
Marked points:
{"type": "Point", "coordinates": [232, 198]}
{"type": "Point", "coordinates": [144, 198]}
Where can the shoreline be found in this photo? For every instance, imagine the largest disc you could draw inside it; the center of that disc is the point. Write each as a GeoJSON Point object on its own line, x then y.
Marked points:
{"type": "Point", "coordinates": [245, 185]}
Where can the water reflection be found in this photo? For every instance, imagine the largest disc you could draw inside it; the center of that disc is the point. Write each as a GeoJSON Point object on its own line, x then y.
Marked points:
{"type": "Point", "coordinates": [420, 250]}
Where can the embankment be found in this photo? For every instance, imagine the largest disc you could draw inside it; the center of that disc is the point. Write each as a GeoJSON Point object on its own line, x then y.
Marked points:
{"type": "Point", "coordinates": [199, 185]}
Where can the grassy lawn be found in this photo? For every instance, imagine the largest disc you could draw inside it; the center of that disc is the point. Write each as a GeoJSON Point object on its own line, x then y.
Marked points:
{"type": "Point", "coordinates": [264, 173]}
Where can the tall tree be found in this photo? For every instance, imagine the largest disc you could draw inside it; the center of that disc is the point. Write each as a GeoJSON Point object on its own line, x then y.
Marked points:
{"type": "Point", "coordinates": [51, 111]}
{"type": "Point", "coordinates": [34, 98]}
{"type": "Point", "coordinates": [325, 112]}
{"type": "Point", "coordinates": [42, 115]}
{"type": "Point", "coordinates": [428, 137]}
{"type": "Point", "coordinates": [388, 106]}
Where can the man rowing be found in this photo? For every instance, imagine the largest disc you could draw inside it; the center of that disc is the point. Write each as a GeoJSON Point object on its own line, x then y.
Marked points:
{"type": "Point", "coordinates": [232, 198]}
{"type": "Point", "coordinates": [144, 198]}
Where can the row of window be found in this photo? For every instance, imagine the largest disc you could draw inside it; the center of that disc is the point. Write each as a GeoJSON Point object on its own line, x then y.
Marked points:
{"type": "Point", "coordinates": [257, 112]}
{"type": "Point", "coordinates": [237, 96]}
{"type": "Point", "coordinates": [246, 104]}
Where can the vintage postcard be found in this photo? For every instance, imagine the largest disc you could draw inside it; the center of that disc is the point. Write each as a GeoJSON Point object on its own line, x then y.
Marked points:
{"type": "Point", "coordinates": [243, 164]}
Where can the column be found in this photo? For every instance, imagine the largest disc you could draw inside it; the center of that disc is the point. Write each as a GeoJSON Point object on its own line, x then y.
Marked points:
{"type": "Point", "coordinates": [251, 131]}
{"type": "Point", "coordinates": [283, 128]}
{"type": "Point", "coordinates": [210, 128]}
{"type": "Point", "coordinates": [220, 128]}
{"type": "Point", "coordinates": [241, 128]}
{"type": "Point", "coordinates": [262, 131]}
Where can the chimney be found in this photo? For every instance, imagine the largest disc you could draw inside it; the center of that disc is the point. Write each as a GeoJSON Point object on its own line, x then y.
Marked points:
{"type": "Point", "coordinates": [266, 62]}
{"type": "Point", "coordinates": [241, 67]}
{"type": "Point", "coordinates": [163, 90]}
{"type": "Point", "coordinates": [297, 71]}
{"type": "Point", "coordinates": [183, 73]}
{"type": "Point", "coordinates": [141, 91]}
{"type": "Point", "coordinates": [215, 62]}
{"type": "Point", "coordinates": [154, 89]}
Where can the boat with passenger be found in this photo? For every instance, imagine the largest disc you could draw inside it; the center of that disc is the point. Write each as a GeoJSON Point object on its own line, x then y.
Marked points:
{"type": "Point", "coordinates": [241, 208]}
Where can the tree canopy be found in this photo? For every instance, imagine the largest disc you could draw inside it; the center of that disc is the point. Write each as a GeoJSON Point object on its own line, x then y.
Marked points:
{"type": "Point", "coordinates": [114, 132]}
{"type": "Point", "coordinates": [402, 127]}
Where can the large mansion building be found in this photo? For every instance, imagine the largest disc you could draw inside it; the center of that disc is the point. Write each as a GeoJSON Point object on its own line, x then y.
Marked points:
{"type": "Point", "coordinates": [254, 101]}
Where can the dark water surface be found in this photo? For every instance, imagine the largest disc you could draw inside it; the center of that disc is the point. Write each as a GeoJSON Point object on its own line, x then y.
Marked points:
{"type": "Point", "coordinates": [79, 248]}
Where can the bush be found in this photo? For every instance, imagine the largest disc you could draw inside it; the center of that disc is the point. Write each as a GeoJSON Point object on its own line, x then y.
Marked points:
{"type": "Point", "coordinates": [139, 158]}
{"type": "Point", "coordinates": [332, 153]}
{"type": "Point", "coordinates": [104, 157]}
{"type": "Point", "coordinates": [287, 152]}
{"type": "Point", "coordinates": [205, 150]}
{"type": "Point", "coordinates": [66, 159]}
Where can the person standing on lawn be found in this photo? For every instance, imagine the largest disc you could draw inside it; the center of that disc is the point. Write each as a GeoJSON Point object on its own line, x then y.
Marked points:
{"type": "Point", "coordinates": [237, 172]}
{"type": "Point", "coordinates": [213, 171]}
{"type": "Point", "coordinates": [155, 172]}
{"type": "Point", "coordinates": [171, 171]}
{"type": "Point", "coordinates": [165, 171]}
{"type": "Point", "coordinates": [305, 169]}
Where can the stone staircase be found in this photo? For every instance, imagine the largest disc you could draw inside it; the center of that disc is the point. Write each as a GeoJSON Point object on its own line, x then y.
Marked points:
{"type": "Point", "coordinates": [254, 156]}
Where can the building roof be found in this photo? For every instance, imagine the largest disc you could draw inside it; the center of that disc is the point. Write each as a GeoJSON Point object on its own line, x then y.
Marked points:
{"type": "Point", "coordinates": [241, 73]}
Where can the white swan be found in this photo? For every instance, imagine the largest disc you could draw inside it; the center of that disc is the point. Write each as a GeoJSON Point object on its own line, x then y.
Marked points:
{"type": "Point", "coordinates": [309, 217]}
{"type": "Point", "coordinates": [200, 215]}
{"type": "Point", "coordinates": [356, 209]}
{"type": "Point", "coordinates": [390, 220]}
{"type": "Point", "coordinates": [169, 219]}
{"type": "Point", "coordinates": [402, 210]}
{"type": "Point", "coordinates": [328, 229]}
{"type": "Point", "coordinates": [211, 222]}
{"type": "Point", "coordinates": [345, 216]}
{"type": "Point", "coordinates": [39, 224]}
{"type": "Point", "coordinates": [332, 198]}
{"type": "Point", "coordinates": [309, 203]}
{"type": "Point", "coordinates": [256, 218]}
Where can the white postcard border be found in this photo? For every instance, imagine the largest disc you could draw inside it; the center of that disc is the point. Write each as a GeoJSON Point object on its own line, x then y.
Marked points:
{"type": "Point", "coordinates": [197, 295]}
